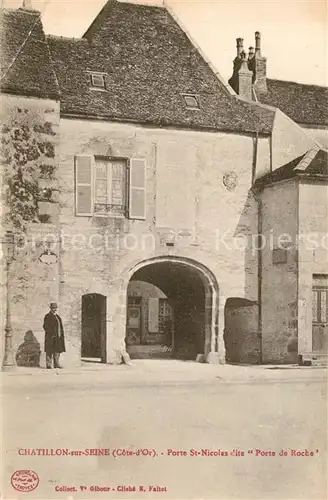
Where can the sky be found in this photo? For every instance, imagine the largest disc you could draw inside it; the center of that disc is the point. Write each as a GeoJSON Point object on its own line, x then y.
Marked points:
{"type": "Point", "coordinates": [294, 33]}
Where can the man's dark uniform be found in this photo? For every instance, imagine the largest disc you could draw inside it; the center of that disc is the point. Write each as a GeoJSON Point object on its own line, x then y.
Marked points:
{"type": "Point", "coordinates": [54, 341]}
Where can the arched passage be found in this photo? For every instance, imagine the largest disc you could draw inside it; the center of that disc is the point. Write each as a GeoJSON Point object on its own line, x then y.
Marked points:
{"type": "Point", "coordinates": [171, 310]}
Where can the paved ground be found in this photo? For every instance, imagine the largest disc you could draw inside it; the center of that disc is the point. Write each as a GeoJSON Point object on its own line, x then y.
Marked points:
{"type": "Point", "coordinates": [163, 406]}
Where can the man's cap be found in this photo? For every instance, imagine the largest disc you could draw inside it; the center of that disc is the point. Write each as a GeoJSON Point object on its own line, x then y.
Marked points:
{"type": "Point", "coordinates": [53, 304]}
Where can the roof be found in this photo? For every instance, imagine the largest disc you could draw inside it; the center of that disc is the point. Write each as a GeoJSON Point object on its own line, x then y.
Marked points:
{"type": "Point", "coordinates": [305, 104]}
{"type": "Point", "coordinates": [313, 165]}
{"type": "Point", "coordinates": [150, 63]}
{"type": "Point", "coordinates": [25, 63]}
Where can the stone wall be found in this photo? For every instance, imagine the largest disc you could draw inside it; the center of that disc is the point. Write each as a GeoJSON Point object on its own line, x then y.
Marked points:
{"type": "Point", "coordinates": [197, 193]}
{"type": "Point", "coordinates": [33, 283]}
{"type": "Point", "coordinates": [313, 253]}
{"type": "Point", "coordinates": [241, 333]}
{"type": "Point", "coordinates": [289, 140]}
{"type": "Point", "coordinates": [279, 216]}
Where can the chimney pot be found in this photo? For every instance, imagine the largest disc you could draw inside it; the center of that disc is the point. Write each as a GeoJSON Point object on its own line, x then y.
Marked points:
{"type": "Point", "coordinates": [27, 4]}
{"type": "Point", "coordinates": [257, 42]}
{"type": "Point", "coordinates": [240, 46]}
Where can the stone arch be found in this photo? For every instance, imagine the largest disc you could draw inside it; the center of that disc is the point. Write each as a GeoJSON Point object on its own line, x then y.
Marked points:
{"type": "Point", "coordinates": [211, 295]}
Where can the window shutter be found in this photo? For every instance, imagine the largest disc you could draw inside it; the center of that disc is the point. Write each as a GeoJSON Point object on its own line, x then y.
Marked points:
{"type": "Point", "coordinates": [137, 195]}
{"type": "Point", "coordinates": [84, 185]}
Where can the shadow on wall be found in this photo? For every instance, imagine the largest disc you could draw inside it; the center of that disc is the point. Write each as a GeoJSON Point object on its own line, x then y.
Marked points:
{"type": "Point", "coordinates": [29, 352]}
{"type": "Point", "coordinates": [247, 228]}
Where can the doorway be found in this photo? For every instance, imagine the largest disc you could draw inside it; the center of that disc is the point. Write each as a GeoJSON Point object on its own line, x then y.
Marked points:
{"type": "Point", "coordinates": [94, 326]}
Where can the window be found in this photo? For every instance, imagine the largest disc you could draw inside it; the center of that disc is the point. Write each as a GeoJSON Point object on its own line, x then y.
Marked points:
{"type": "Point", "coordinates": [320, 300]}
{"type": "Point", "coordinates": [319, 306]}
{"type": "Point", "coordinates": [191, 101]}
{"type": "Point", "coordinates": [98, 80]}
{"type": "Point", "coordinates": [110, 187]}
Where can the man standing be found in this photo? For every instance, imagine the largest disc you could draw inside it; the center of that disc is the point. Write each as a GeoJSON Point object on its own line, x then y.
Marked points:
{"type": "Point", "coordinates": [54, 341]}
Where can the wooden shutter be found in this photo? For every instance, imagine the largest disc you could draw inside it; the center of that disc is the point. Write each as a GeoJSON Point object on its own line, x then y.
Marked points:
{"type": "Point", "coordinates": [137, 194]}
{"type": "Point", "coordinates": [84, 185]}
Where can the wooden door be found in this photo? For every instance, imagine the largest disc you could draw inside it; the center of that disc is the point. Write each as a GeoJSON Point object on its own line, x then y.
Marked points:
{"type": "Point", "coordinates": [94, 326]}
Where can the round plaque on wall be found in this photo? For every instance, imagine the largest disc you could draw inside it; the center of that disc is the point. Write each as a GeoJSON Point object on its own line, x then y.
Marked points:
{"type": "Point", "coordinates": [230, 180]}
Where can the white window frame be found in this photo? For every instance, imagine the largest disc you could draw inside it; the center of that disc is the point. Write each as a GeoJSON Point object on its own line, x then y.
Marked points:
{"type": "Point", "coordinates": [108, 160]}
{"type": "Point", "coordinates": [128, 188]}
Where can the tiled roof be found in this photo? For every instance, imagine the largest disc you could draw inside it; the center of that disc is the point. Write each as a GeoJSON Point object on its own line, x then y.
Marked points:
{"type": "Point", "coordinates": [150, 63]}
{"type": "Point", "coordinates": [313, 164]}
{"type": "Point", "coordinates": [26, 68]}
{"type": "Point", "coordinates": [306, 104]}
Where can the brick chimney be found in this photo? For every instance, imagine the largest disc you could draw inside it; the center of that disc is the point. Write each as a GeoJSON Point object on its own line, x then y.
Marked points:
{"type": "Point", "coordinates": [257, 64]}
{"type": "Point", "coordinates": [241, 80]}
{"type": "Point", "coordinates": [251, 72]}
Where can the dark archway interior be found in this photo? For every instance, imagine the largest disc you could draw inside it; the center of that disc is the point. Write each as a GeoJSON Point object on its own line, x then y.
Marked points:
{"type": "Point", "coordinates": [184, 287]}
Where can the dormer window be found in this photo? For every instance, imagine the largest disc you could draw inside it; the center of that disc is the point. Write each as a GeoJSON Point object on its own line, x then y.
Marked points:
{"type": "Point", "coordinates": [98, 80]}
{"type": "Point", "coordinates": [191, 101]}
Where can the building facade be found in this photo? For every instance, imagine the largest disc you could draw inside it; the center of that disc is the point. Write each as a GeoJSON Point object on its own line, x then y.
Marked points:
{"type": "Point", "coordinates": [137, 184]}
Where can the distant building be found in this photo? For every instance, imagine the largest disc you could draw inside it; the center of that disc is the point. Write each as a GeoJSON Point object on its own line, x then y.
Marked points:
{"type": "Point", "coordinates": [141, 184]}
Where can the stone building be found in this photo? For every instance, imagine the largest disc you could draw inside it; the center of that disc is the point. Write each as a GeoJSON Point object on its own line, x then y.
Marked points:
{"type": "Point", "coordinates": [139, 183]}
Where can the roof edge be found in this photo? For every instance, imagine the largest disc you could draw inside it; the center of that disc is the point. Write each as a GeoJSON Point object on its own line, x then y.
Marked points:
{"type": "Point", "coordinates": [298, 83]}
{"type": "Point", "coordinates": [72, 39]}
{"type": "Point", "coordinates": [153, 124]}
{"type": "Point", "coordinates": [52, 96]}
{"type": "Point", "coordinates": [216, 72]}
{"type": "Point", "coordinates": [20, 9]}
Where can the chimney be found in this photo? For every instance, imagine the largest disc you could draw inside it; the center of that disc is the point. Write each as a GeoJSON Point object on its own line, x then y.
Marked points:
{"type": "Point", "coordinates": [240, 46]}
{"type": "Point", "coordinates": [258, 42]}
{"type": "Point", "coordinates": [245, 77]}
{"type": "Point", "coordinates": [251, 53]}
{"type": "Point", "coordinates": [241, 80]}
{"type": "Point", "coordinates": [27, 4]}
{"type": "Point", "coordinates": [259, 67]}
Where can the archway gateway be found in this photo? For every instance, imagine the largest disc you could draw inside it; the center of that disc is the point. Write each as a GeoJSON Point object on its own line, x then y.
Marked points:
{"type": "Point", "coordinates": [172, 310]}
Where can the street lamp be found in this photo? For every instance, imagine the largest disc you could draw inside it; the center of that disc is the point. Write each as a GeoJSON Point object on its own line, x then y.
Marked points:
{"type": "Point", "coordinates": [8, 246]}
